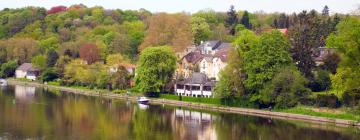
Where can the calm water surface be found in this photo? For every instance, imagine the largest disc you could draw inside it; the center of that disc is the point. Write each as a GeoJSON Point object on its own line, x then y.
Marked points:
{"type": "Point", "coordinates": [37, 113]}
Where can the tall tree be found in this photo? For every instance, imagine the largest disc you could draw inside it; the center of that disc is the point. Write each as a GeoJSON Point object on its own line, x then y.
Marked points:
{"type": "Point", "coordinates": [346, 40]}
{"type": "Point", "coordinates": [245, 20]}
{"type": "Point", "coordinates": [263, 60]}
{"type": "Point", "coordinates": [156, 67]}
{"type": "Point", "coordinates": [305, 38]}
{"type": "Point", "coordinates": [232, 20]}
{"type": "Point", "coordinates": [52, 56]}
{"type": "Point", "coordinates": [90, 53]}
{"type": "Point", "coordinates": [325, 11]}
{"type": "Point", "coordinates": [200, 29]}
{"type": "Point", "coordinates": [168, 29]}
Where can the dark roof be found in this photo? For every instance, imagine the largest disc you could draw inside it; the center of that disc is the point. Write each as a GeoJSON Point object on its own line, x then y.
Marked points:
{"type": "Point", "coordinates": [197, 78]}
{"type": "Point", "coordinates": [223, 54]}
{"type": "Point", "coordinates": [193, 57]}
{"type": "Point", "coordinates": [214, 44]}
{"type": "Point", "coordinates": [210, 83]}
{"type": "Point", "coordinates": [26, 67]}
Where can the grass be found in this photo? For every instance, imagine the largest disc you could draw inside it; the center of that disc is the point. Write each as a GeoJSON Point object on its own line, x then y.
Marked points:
{"type": "Point", "coordinates": [339, 114]}
{"type": "Point", "coordinates": [214, 101]}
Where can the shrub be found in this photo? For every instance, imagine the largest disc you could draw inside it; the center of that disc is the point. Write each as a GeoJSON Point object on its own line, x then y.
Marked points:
{"type": "Point", "coordinates": [351, 98]}
{"type": "Point", "coordinates": [322, 81]}
{"type": "Point", "coordinates": [119, 91]}
{"type": "Point", "coordinates": [49, 75]}
{"type": "Point", "coordinates": [327, 100]}
{"type": "Point", "coordinates": [8, 69]}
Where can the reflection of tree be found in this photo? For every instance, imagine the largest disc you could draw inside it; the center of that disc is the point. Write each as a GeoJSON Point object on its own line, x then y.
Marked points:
{"type": "Point", "coordinates": [152, 124]}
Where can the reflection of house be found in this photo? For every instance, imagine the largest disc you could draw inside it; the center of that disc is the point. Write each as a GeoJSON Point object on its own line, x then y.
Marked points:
{"type": "Point", "coordinates": [24, 93]}
{"type": "Point", "coordinates": [211, 53]}
{"type": "Point", "coordinates": [322, 54]}
{"type": "Point", "coordinates": [197, 85]}
{"type": "Point", "coordinates": [26, 70]}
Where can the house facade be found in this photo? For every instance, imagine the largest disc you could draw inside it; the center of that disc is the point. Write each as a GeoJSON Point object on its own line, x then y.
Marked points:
{"type": "Point", "coordinates": [210, 57]}
{"type": "Point", "coordinates": [26, 70]}
{"type": "Point", "coordinates": [197, 85]}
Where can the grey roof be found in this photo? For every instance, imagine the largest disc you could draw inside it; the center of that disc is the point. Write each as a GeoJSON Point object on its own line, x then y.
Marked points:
{"type": "Point", "coordinates": [26, 67]}
{"type": "Point", "coordinates": [197, 78]}
{"type": "Point", "coordinates": [215, 44]}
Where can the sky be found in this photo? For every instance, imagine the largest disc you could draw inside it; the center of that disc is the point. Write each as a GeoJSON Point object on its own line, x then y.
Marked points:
{"type": "Point", "coordinates": [173, 6]}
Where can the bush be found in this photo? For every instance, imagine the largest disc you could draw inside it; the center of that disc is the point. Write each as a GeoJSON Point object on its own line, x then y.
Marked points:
{"type": "Point", "coordinates": [8, 69]}
{"type": "Point", "coordinates": [119, 91]}
{"type": "Point", "coordinates": [215, 101]}
{"type": "Point", "coordinates": [327, 100]}
{"type": "Point", "coordinates": [49, 75]}
{"type": "Point", "coordinates": [351, 98]}
{"type": "Point", "coordinates": [322, 81]}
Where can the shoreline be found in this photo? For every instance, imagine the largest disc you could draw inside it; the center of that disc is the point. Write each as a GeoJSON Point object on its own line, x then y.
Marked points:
{"type": "Point", "coordinates": [237, 110]}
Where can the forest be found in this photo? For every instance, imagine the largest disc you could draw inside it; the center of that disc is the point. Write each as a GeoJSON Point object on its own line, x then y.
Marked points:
{"type": "Point", "coordinates": [76, 45]}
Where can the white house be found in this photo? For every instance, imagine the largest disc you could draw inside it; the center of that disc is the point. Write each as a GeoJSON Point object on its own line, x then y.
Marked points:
{"type": "Point", "coordinates": [197, 85]}
{"type": "Point", "coordinates": [26, 70]}
{"type": "Point", "coordinates": [212, 65]}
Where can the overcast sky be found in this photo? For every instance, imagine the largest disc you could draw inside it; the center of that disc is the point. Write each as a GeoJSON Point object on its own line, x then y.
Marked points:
{"type": "Point", "coordinates": [288, 6]}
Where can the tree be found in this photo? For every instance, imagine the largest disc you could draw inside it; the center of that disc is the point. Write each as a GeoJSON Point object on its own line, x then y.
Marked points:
{"type": "Point", "coordinates": [60, 64]}
{"type": "Point", "coordinates": [305, 38]}
{"type": "Point", "coordinates": [262, 61]}
{"type": "Point", "coordinates": [52, 56]}
{"type": "Point", "coordinates": [39, 62]}
{"type": "Point", "coordinates": [245, 20]}
{"type": "Point", "coordinates": [325, 11]}
{"type": "Point", "coordinates": [285, 89]}
{"type": "Point", "coordinates": [114, 60]}
{"type": "Point", "coordinates": [156, 66]}
{"type": "Point", "coordinates": [90, 53]}
{"type": "Point", "coordinates": [345, 40]}
{"type": "Point", "coordinates": [231, 83]}
{"type": "Point", "coordinates": [49, 75]}
{"type": "Point", "coordinates": [200, 29]}
{"type": "Point", "coordinates": [331, 62]}
{"type": "Point", "coordinates": [8, 69]}
{"type": "Point", "coordinates": [232, 20]}
{"type": "Point", "coordinates": [165, 29]}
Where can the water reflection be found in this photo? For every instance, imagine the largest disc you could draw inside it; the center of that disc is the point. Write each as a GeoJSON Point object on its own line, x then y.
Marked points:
{"type": "Point", "coordinates": [47, 114]}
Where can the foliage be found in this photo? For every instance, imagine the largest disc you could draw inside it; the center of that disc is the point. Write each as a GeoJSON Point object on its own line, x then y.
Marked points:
{"type": "Point", "coordinates": [8, 69]}
{"type": "Point", "coordinates": [245, 20]}
{"type": "Point", "coordinates": [327, 100]}
{"type": "Point", "coordinates": [52, 56]}
{"type": "Point", "coordinates": [39, 62]}
{"type": "Point", "coordinates": [231, 20]}
{"type": "Point", "coordinates": [285, 89]}
{"type": "Point", "coordinates": [351, 98]}
{"type": "Point", "coordinates": [90, 53]}
{"type": "Point", "coordinates": [347, 43]}
{"type": "Point", "coordinates": [331, 62]}
{"type": "Point", "coordinates": [115, 60]}
{"type": "Point", "coordinates": [262, 61]}
{"type": "Point", "coordinates": [321, 81]}
{"type": "Point", "coordinates": [155, 68]}
{"type": "Point", "coordinates": [200, 29]}
{"type": "Point", "coordinates": [231, 80]}
{"type": "Point", "coordinates": [49, 75]}
{"type": "Point", "coordinates": [165, 29]}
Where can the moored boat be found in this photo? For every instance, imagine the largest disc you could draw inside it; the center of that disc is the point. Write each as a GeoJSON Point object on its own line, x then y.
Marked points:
{"type": "Point", "coordinates": [3, 82]}
{"type": "Point", "coordinates": [143, 100]}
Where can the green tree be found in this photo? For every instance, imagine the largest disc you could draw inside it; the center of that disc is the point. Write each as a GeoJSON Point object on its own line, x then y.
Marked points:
{"type": "Point", "coordinates": [156, 66]}
{"type": "Point", "coordinates": [346, 40]}
{"type": "Point", "coordinates": [200, 29]}
{"type": "Point", "coordinates": [49, 75]}
{"type": "Point", "coordinates": [39, 62]}
{"type": "Point", "coordinates": [8, 69]}
{"type": "Point", "coordinates": [262, 61]}
{"type": "Point", "coordinates": [285, 89]}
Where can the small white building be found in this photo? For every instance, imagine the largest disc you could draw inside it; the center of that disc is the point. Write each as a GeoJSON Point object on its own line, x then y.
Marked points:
{"type": "Point", "coordinates": [197, 85]}
{"type": "Point", "coordinates": [26, 70]}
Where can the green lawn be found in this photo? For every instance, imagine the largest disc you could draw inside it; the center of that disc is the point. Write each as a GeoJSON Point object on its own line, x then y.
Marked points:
{"type": "Point", "coordinates": [214, 101]}
{"type": "Point", "coordinates": [338, 114]}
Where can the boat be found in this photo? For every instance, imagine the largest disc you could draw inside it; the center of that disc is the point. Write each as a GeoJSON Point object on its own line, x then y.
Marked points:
{"type": "Point", "coordinates": [3, 82]}
{"type": "Point", "coordinates": [143, 100]}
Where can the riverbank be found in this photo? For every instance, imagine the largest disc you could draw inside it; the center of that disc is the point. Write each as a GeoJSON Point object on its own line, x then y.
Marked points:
{"type": "Point", "coordinates": [255, 112]}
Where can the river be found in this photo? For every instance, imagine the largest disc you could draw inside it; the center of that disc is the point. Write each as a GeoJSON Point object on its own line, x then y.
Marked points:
{"type": "Point", "coordinates": [38, 113]}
